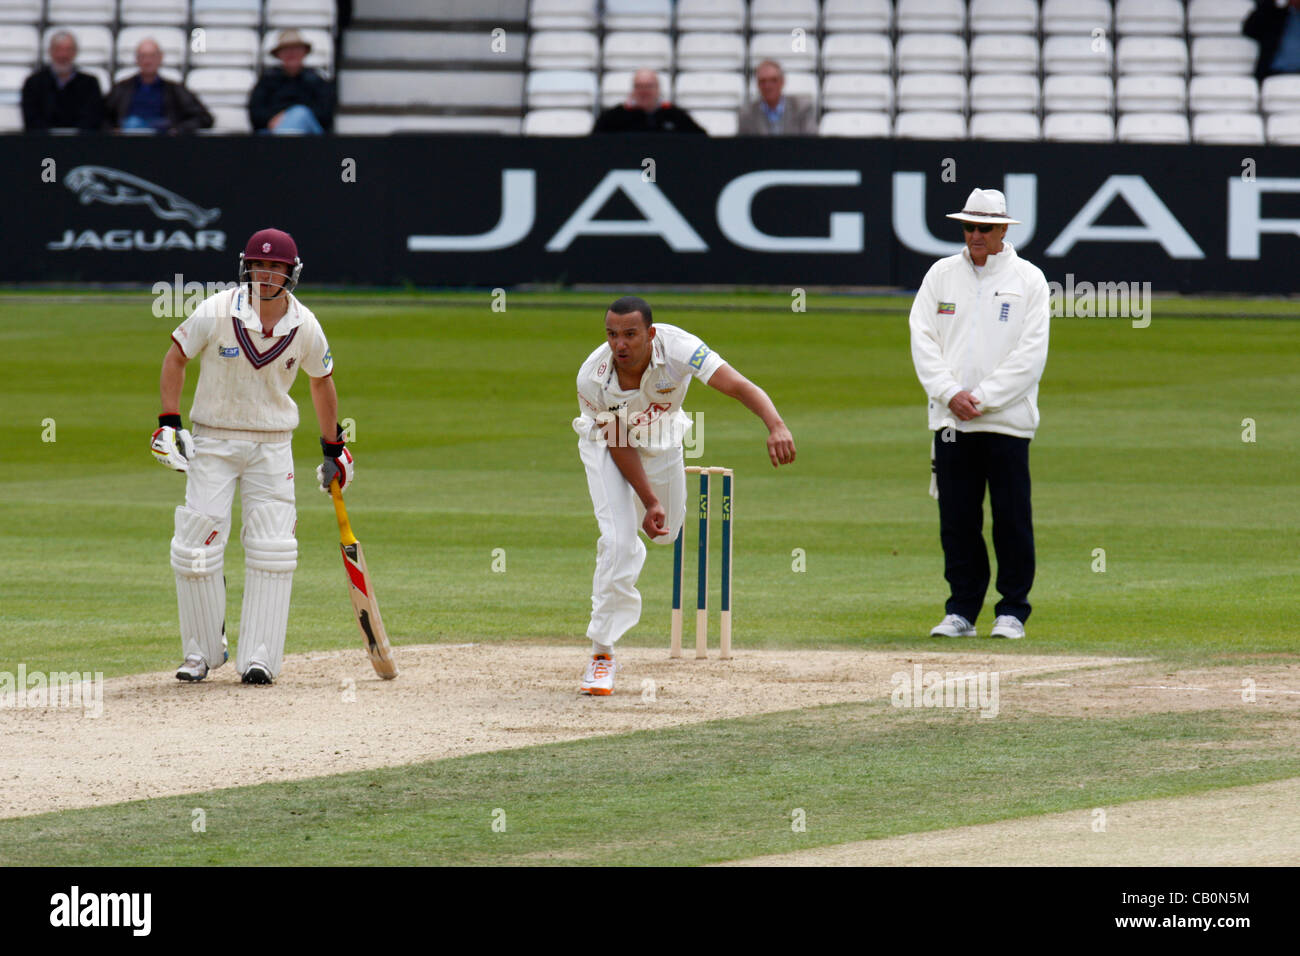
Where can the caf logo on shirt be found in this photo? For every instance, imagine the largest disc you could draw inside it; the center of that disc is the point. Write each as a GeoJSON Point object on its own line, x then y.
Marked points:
{"type": "Point", "coordinates": [230, 351]}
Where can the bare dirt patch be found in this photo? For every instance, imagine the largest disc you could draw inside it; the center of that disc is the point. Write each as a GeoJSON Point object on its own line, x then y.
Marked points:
{"type": "Point", "coordinates": [330, 714]}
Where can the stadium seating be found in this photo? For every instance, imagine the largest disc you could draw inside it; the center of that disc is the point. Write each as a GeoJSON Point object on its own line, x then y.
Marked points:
{"type": "Point", "coordinates": [1071, 127]}
{"type": "Point", "coordinates": [1004, 92]}
{"type": "Point", "coordinates": [227, 13]}
{"type": "Point", "coordinates": [930, 16]}
{"type": "Point", "coordinates": [783, 16]}
{"type": "Point", "coordinates": [1003, 16]}
{"type": "Point", "coordinates": [1217, 17]}
{"type": "Point", "coordinates": [226, 46]}
{"type": "Point", "coordinates": [638, 15]}
{"type": "Point", "coordinates": [558, 123]}
{"type": "Point", "coordinates": [1284, 129]}
{"type": "Point", "coordinates": [858, 92]}
{"type": "Point", "coordinates": [715, 15]}
{"type": "Point", "coordinates": [11, 118]}
{"type": "Point", "coordinates": [857, 16]}
{"type": "Point", "coordinates": [561, 89]}
{"type": "Point", "coordinates": [711, 51]}
{"type": "Point", "coordinates": [11, 83]}
{"type": "Point", "coordinates": [928, 124]}
{"type": "Point", "coordinates": [1226, 128]}
{"type": "Point", "coordinates": [717, 122]}
{"type": "Point", "coordinates": [874, 125]}
{"type": "Point", "coordinates": [1223, 94]}
{"type": "Point", "coordinates": [857, 53]}
{"type": "Point", "coordinates": [1150, 94]}
{"type": "Point", "coordinates": [637, 51]}
{"type": "Point", "coordinates": [1153, 128]}
{"type": "Point", "coordinates": [710, 91]}
{"type": "Point", "coordinates": [20, 11]}
{"type": "Point", "coordinates": [169, 13]}
{"type": "Point", "coordinates": [1005, 126]}
{"type": "Point", "coordinates": [20, 45]}
{"type": "Point", "coordinates": [1281, 93]}
{"type": "Point", "coordinates": [1069, 93]}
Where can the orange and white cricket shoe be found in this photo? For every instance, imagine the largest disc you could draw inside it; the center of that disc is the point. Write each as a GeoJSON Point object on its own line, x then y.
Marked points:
{"type": "Point", "coordinates": [599, 678]}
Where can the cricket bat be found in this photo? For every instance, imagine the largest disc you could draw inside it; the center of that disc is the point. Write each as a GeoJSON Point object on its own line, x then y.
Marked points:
{"type": "Point", "coordinates": [364, 603]}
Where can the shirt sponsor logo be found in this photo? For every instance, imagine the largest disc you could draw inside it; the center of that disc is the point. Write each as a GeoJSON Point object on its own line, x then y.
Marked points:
{"type": "Point", "coordinates": [697, 360]}
{"type": "Point", "coordinates": [328, 360]}
{"type": "Point", "coordinates": [1005, 312]}
{"type": "Point", "coordinates": [230, 351]}
{"type": "Point", "coordinates": [663, 388]}
{"type": "Point", "coordinates": [947, 308]}
{"type": "Point", "coordinates": [604, 366]}
{"type": "Point", "coordinates": [289, 365]}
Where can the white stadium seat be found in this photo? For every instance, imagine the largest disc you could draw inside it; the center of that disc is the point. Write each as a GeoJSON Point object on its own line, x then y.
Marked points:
{"type": "Point", "coordinates": [1153, 128]}
{"type": "Point", "coordinates": [782, 16]}
{"type": "Point", "coordinates": [868, 125]}
{"type": "Point", "coordinates": [1217, 17]}
{"type": "Point", "coordinates": [638, 15]}
{"type": "Point", "coordinates": [227, 13]}
{"type": "Point", "coordinates": [220, 86]}
{"type": "Point", "coordinates": [941, 92]}
{"type": "Point", "coordinates": [796, 84]}
{"type": "Point", "coordinates": [173, 41]}
{"type": "Point", "coordinates": [926, 124]}
{"type": "Point", "coordinates": [172, 13]}
{"type": "Point", "coordinates": [1231, 55]}
{"type": "Point", "coordinates": [20, 45]}
{"type": "Point", "coordinates": [1003, 16]}
{"type": "Point", "coordinates": [296, 14]}
{"type": "Point", "coordinates": [12, 79]}
{"type": "Point", "coordinates": [1075, 93]}
{"type": "Point", "coordinates": [858, 92]}
{"type": "Point", "coordinates": [1004, 53]}
{"type": "Point", "coordinates": [224, 46]}
{"type": "Point", "coordinates": [1145, 54]}
{"type": "Point", "coordinates": [561, 89]}
{"type": "Point", "coordinates": [717, 122]}
{"type": "Point", "coordinates": [857, 16]}
{"type": "Point", "coordinates": [1003, 93]}
{"type": "Point", "coordinates": [21, 11]}
{"type": "Point", "coordinates": [857, 53]}
{"type": "Point", "coordinates": [1150, 93]}
{"type": "Point", "coordinates": [558, 123]}
{"type": "Point", "coordinates": [1149, 17]}
{"type": "Point", "coordinates": [562, 15]}
{"type": "Point", "coordinates": [321, 56]}
{"type": "Point", "coordinates": [637, 51]}
{"type": "Point", "coordinates": [616, 87]}
{"type": "Point", "coordinates": [710, 91]}
{"type": "Point", "coordinates": [1223, 94]}
{"type": "Point", "coordinates": [387, 124]}
{"type": "Point", "coordinates": [11, 119]}
{"type": "Point", "coordinates": [1284, 129]}
{"type": "Point", "coordinates": [930, 53]}
{"type": "Point", "coordinates": [230, 119]}
{"type": "Point", "coordinates": [166, 72]}
{"type": "Point", "coordinates": [710, 51]}
{"type": "Point", "coordinates": [1228, 128]}
{"type": "Point", "coordinates": [717, 15]}
{"type": "Point", "coordinates": [562, 50]}
{"type": "Point", "coordinates": [930, 16]}
{"type": "Point", "coordinates": [779, 47]}
{"type": "Point", "coordinates": [1076, 53]}
{"type": "Point", "coordinates": [1020, 127]}
{"type": "Point", "coordinates": [81, 11]}
{"type": "Point", "coordinates": [1076, 17]}
{"type": "Point", "coordinates": [94, 43]}
{"type": "Point", "coordinates": [1079, 127]}
{"type": "Point", "coordinates": [1281, 93]}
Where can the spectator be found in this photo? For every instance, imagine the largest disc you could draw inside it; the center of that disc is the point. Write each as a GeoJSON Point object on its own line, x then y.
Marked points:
{"type": "Point", "coordinates": [774, 113]}
{"type": "Point", "coordinates": [147, 101]}
{"type": "Point", "coordinates": [1275, 25]}
{"type": "Point", "coordinates": [644, 112]}
{"type": "Point", "coordinates": [291, 98]}
{"type": "Point", "coordinates": [58, 96]}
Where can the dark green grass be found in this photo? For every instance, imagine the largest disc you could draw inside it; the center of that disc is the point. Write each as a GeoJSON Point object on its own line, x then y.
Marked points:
{"type": "Point", "coordinates": [463, 446]}
{"type": "Point", "coordinates": [707, 792]}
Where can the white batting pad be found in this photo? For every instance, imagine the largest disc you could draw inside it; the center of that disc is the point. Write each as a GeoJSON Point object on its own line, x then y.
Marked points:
{"type": "Point", "coordinates": [270, 555]}
{"type": "Point", "coordinates": [198, 550]}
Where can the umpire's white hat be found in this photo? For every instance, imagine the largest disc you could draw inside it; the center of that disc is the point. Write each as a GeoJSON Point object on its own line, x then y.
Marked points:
{"type": "Point", "coordinates": [985, 205]}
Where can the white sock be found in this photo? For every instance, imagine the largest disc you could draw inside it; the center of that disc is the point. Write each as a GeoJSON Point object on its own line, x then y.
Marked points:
{"type": "Point", "coordinates": [607, 649]}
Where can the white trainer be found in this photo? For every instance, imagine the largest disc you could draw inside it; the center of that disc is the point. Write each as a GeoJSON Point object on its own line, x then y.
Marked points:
{"type": "Point", "coordinates": [1008, 626]}
{"type": "Point", "coordinates": [954, 625]}
{"type": "Point", "coordinates": [194, 668]}
{"type": "Point", "coordinates": [599, 678]}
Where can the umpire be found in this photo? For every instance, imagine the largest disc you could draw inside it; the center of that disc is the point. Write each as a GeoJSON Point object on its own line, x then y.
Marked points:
{"type": "Point", "coordinates": [979, 330]}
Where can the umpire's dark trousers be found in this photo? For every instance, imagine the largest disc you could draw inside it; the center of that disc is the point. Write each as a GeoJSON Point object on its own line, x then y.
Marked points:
{"type": "Point", "coordinates": [963, 465]}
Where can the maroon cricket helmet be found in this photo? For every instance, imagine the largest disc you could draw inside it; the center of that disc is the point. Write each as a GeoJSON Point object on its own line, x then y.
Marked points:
{"type": "Point", "coordinates": [272, 245]}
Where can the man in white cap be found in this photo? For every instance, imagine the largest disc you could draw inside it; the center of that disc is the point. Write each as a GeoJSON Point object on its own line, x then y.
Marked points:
{"type": "Point", "coordinates": [979, 329]}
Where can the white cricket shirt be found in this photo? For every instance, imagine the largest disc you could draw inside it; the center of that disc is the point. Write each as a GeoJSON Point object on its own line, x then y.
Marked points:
{"type": "Point", "coordinates": [244, 375]}
{"type": "Point", "coordinates": [654, 413]}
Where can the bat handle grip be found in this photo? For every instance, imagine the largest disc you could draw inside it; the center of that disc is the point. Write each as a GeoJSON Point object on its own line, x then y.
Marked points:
{"type": "Point", "coordinates": [345, 527]}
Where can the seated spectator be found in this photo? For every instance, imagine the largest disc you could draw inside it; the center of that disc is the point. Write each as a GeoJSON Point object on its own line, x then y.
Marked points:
{"type": "Point", "coordinates": [1275, 25]}
{"type": "Point", "coordinates": [774, 113]}
{"type": "Point", "coordinates": [147, 101]}
{"type": "Point", "coordinates": [644, 113]}
{"type": "Point", "coordinates": [58, 96]}
{"type": "Point", "coordinates": [291, 98]}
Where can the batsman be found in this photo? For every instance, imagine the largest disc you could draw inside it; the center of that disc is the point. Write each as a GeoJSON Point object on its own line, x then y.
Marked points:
{"type": "Point", "coordinates": [251, 341]}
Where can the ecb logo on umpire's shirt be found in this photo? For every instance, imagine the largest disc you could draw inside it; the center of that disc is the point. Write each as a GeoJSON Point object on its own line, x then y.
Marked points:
{"type": "Point", "coordinates": [1005, 312]}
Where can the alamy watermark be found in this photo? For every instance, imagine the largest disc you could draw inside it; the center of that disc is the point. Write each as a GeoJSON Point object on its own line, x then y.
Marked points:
{"type": "Point", "coordinates": [1102, 300]}
{"type": "Point", "coordinates": [33, 690]}
{"type": "Point", "coordinates": [922, 688]}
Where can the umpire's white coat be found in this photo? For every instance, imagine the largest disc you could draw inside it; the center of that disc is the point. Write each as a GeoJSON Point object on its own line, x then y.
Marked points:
{"type": "Point", "coordinates": [984, 332]}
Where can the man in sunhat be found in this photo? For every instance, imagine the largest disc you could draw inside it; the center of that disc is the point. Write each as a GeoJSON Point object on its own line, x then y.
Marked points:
{"type": "Point", "coordinates": [291, 98]}
{"type": "Point", "coordinates": [979, 329]}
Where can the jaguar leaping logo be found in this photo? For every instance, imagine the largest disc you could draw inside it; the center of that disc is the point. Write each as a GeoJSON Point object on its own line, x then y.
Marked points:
{"type": "Point", "coordinates": [116, 188]}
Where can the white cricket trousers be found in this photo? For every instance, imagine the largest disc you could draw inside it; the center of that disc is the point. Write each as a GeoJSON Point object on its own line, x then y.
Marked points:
{"type": "Point", "coordinates": [620, 553]}
{"type": "Point", "coordinates": [264, 471]}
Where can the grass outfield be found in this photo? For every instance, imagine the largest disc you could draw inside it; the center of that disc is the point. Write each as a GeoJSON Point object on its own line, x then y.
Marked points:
{"type": "Point", "coordinates": [463, 446]}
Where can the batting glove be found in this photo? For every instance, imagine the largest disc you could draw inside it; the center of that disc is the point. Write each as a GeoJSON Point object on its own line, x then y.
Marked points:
{"type": "Point", "coordinates": [337, 464]}
{"type": "Point", "coordinates": [171, 444]}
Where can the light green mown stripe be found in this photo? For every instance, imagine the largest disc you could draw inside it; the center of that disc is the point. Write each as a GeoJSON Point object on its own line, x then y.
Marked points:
{"type": "Point", "coordinates": [689, 795]}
